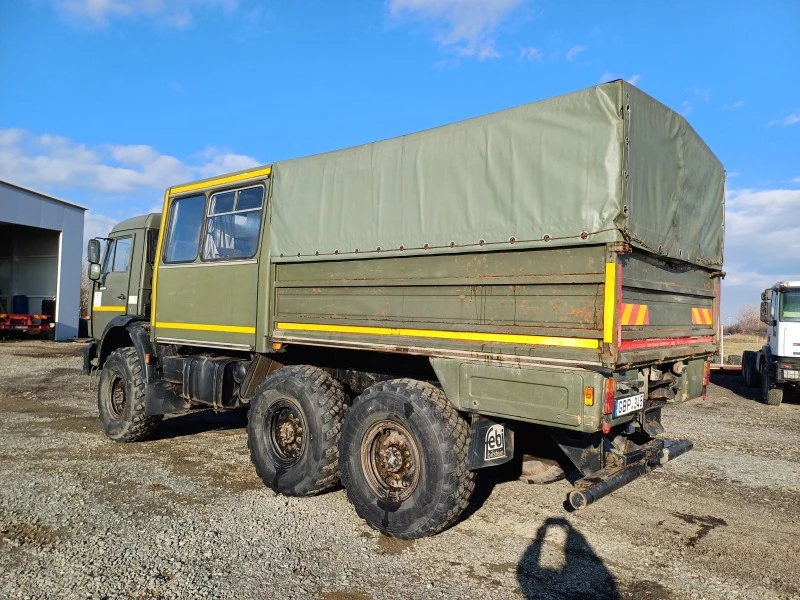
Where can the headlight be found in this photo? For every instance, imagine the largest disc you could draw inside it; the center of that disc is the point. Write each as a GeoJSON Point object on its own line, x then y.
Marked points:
{"type": "Point", "coordinates": [790, 374]}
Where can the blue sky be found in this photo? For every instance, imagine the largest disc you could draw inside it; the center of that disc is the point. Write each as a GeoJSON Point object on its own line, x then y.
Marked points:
{"type": "Point", "coordinates": [108, 102]}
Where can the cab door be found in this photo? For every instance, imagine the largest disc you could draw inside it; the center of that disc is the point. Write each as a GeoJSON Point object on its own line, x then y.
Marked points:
{"type": "Point", "coordinates": [110, 295]}
{"type": "Point", "coordinates": [207, 277]}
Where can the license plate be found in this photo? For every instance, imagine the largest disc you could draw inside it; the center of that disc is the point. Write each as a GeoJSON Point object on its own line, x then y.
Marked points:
{"type": "Point", "coordinates": [623, 406]}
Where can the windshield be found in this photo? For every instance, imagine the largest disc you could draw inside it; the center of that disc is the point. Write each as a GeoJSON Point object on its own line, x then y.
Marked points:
{"type": "Point", "coordinates": [790, 305]}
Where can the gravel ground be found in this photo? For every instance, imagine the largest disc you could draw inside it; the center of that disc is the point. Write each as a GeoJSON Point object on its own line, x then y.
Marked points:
{"type": "Point", "coordinates": [184, 515]}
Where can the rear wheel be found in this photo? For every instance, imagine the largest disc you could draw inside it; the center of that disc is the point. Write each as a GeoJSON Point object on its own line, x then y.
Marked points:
{"type": "Point", "coordinates": [750, 374]}
{"type": "Point", "coordinates": [293, 430]}
{"type": "Point", "coordinates": [404, 459]}
{"type": "Point", "coordinates": [120, 398]}
{"type": "Point", "coordinates": [770, 394]}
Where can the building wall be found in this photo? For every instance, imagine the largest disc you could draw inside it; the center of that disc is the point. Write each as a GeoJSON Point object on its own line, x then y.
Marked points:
{"type": "Point", "coordinates": [25, 207]}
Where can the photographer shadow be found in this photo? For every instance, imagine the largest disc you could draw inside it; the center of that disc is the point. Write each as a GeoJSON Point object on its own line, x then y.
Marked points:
{"type": "Point", "coordinates": [576, 572]}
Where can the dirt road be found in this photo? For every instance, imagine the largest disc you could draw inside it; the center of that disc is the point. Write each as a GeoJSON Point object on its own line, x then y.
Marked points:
{"type": "Point", "coordinates": [184, 515]}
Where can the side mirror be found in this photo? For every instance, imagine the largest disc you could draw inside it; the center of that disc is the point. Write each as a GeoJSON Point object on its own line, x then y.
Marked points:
{"type": "Point", "coordinates": [93, 251]}
{"type": "Point", "coordinates": [94, 270]}
{"type": "Point", "coordinates": [764, 316]}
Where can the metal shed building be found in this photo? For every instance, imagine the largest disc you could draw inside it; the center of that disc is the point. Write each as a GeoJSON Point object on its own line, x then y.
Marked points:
{"type": "Point", "coordinates": [41, 245]}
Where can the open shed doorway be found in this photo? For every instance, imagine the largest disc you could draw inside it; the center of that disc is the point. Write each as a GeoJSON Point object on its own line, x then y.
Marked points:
{"type": "Point", "coordinates": [29, 262]}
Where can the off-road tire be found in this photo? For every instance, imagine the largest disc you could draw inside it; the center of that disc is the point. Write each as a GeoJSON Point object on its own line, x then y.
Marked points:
{"type": "Point", "coordinates": [750, 374]}
{"type": "Point", "coordinates": [441, 437]}
{"type": "Point", "coordinates": [541, 471]}
{"type": "Point", "coordinates": [770, 394]}
{"type": "Point", "coordinates": [122, 374]}
{"type": "Point", "coordinates": [321, 403]}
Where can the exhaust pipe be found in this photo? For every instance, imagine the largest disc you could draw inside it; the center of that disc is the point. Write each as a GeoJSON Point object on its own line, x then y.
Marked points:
{"type": "Point", "coordinates": [601, 484]}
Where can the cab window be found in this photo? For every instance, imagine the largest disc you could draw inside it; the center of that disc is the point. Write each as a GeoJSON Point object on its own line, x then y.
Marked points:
{"type": "Point", "coordinates": [233, 224]}
{"type": "Point", "coordinates": [118, 255]}
{"type": "Point", "coordinates": [790, 305]}
{"type": "Point", "coordinates": [183, 235]}
{"type": "Point", "coordinates": [122, 255]}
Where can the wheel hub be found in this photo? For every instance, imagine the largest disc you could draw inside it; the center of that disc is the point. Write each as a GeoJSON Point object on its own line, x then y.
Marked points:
{"type": "Point", "coordinates": [285, 424]}
{"type": "Point", "coordinates": [118, 397]}
{"type": "Point", "coordinates": [390, 459]}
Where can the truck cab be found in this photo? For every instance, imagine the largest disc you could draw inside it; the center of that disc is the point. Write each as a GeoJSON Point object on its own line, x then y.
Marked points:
{"type": "Point", "coordinates": [776, 367]}
{"type": "Point", "coordinates": [121, 271]}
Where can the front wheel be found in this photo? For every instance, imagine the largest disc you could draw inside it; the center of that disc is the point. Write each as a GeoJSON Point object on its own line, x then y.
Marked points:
{"type": "Point", "coordinates": [120, 398]}
{"type": "Point", "coordinates": [403, 457]}
{"type": "Point", "coordinates": [770, 394]}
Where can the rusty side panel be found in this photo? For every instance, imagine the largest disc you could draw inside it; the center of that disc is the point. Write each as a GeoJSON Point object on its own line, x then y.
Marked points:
{"type": "Point", "coordinates": [554, 292]}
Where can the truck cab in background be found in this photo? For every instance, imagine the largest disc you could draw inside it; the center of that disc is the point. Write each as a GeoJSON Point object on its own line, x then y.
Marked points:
{"type": "Point", "coordinates": [776, 367]}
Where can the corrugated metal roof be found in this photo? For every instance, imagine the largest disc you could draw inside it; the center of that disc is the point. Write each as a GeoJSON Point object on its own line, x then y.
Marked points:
{"type": "Point", "coordinates": [42, 194]}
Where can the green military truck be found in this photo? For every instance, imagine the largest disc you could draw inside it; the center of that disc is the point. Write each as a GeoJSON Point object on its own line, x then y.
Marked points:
{"type": "Point", "coordinates": [400, 314]}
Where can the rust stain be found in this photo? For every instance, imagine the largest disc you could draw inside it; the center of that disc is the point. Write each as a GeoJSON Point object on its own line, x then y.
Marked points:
{"type": "Point", "coordinates": [583, 314]}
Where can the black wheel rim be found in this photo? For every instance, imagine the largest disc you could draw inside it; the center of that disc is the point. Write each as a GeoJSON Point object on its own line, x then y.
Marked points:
{"type": "Point", "coordinates": [286, 431]}
{"type": "Point", "coordinates": [390, 460]}
{"type": "Point", "coordinates": [117, 397]}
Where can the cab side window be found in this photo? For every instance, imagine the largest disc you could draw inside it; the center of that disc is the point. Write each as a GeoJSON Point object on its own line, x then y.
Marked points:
{"type": "Point", "coordinates": [122, 255]}
{"type": "Point", "coordinates": [233, 224]}
{"type": "Point", "coordinates": [108, 259]}
{"type": "Point", "coordinates": [183, 235]}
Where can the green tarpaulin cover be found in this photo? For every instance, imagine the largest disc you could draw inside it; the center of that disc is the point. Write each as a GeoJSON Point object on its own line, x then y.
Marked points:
{"type": "Point", "coordinates": [608, 163]}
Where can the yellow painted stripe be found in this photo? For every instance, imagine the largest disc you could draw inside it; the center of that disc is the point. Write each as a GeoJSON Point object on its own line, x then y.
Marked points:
{"type": "Point", "coordinates": [626, 314]}
{"type": "Point", "coordinates": [707, 315]}
{"type": "Point", "coordinates": [190, 187]}
{"type": "Point", "coordinates": [502, 338]}
{"type": "Point", "coordinates": [109, 308]}
{"type": "Point", "coordinates": [159, 246]}
{"type": "Point", "coordinates": [206, 327]}
{"type": "Point", "coordinates": [640, 318]}
{"type": "Point", "coordinates": [609, 303]}
{"type": "Point", "coordinates": [696, 317]}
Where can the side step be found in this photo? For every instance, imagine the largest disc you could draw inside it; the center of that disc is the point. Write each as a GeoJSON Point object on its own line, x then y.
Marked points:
{"type": "Point", "coordinates": [601, 483]}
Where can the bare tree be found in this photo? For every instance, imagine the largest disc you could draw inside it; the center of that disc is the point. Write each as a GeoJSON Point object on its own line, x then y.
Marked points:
{"type": "Point", "coordinates": [749, 322]}
{"type": "Point", "coordinates": [86, 289]}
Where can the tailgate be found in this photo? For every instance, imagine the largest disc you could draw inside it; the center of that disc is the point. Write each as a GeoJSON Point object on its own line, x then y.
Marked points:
{"type": "Point", "coordinates": [665, 309]}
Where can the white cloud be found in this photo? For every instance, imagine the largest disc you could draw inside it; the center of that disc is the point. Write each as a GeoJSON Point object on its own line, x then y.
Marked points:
{"type": "Point", "coordinates": [574, 51]}
{"type": "Point", "coordinates": [792, 119]}
{"type": "Point", "coordinates": [611, 76]}
{"type": "Point", "coordinates": [738, 104]}
{"type": "Point", "coordinates": [95, 225]}
{"type": "Point", "coordinates": [730, 174]}
{"type": "Point", "coordinates": [762, 241]}
{"type": "Point", "coordinates": [49, 161]}
{"type": "Point", "coordinates": [606, 77]}
{"type": "Point", "coordinates": [467, 26]}
{"type": "Point", "coordinates": [175, 13]}
{"type": "Point", "coordinates": [530, 53]}
{"type": "Point", "coordinates": [698, 95]}
{"type": "Point", "coordinates": [796, 180]}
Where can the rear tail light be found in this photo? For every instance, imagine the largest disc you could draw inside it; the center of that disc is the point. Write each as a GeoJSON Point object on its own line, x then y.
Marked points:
{"type": "Point", "coordinates": [608, 403]}
{"type": "Point", "coordinates": [706, 373]}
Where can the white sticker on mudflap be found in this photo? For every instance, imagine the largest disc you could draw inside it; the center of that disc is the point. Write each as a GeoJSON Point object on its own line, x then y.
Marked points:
{"type": "Point", "coordinates": [133, 299]}
{"type": "Point", "coordinates": [98, 299]}
{"type": "Point", "coordinates": [495, 443]}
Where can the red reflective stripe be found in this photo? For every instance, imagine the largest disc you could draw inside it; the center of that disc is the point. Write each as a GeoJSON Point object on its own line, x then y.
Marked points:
{"type": "Point", "coordinates": [664, 342]}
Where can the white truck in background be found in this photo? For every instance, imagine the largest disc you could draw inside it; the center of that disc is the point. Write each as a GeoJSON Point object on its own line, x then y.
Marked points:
{"type": "Point", "coordinates": [776, 367]}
